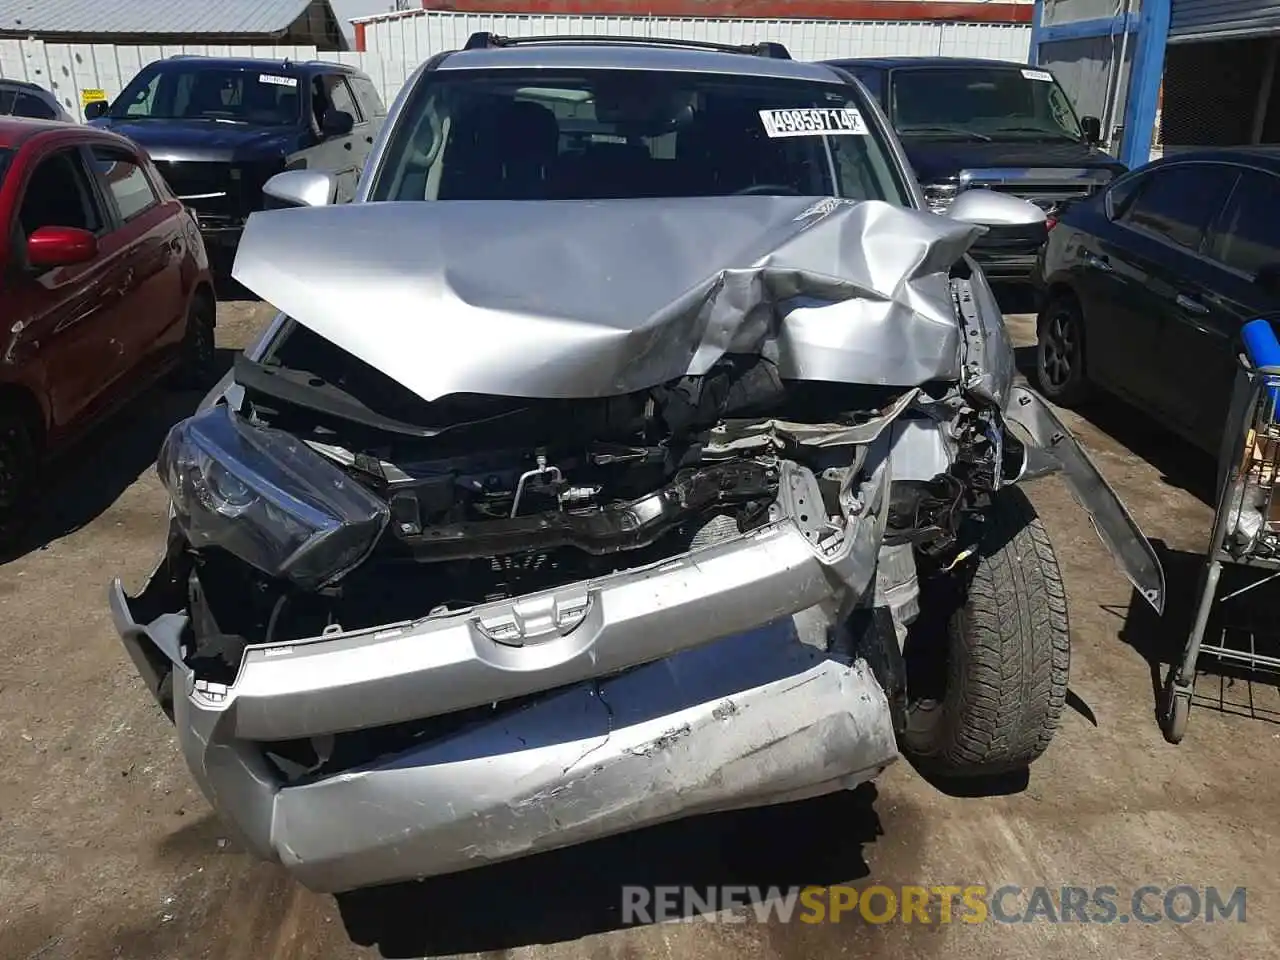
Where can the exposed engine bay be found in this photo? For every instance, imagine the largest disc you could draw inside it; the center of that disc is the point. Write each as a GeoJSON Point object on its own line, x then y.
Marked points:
{"type": "Point", "coordinates": [487, 498]}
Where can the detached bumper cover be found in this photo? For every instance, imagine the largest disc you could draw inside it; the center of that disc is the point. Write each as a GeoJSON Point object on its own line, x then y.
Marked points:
{"type": "Point", "coordinates": [680, 724]}
{"type": "Point", "coordinates": [1053, 448]}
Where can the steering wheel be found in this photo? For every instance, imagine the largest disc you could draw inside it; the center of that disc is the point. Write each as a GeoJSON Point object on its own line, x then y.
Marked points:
{"type": "Point", "coordinates": [756, 189]}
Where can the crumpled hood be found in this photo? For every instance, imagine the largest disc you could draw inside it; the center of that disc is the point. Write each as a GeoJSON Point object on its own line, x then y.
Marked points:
{"type": "Point", "coordinates": [576, 299]}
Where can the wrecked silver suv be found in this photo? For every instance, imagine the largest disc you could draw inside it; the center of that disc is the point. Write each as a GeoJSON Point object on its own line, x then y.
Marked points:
{"type": "Point", "coordinates": [634, 447]}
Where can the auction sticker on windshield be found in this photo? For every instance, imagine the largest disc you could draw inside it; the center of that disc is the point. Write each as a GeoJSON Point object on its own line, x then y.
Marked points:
{"type": "Point", "coordinates": [279, 81]}
{"type": "Point", "coordinates": [812, 122]}
{"type": "Point", "coordinates": [1043, 75]}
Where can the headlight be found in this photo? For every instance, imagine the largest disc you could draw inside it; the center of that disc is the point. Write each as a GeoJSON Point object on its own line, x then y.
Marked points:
{"type": "Point", "coordinates": [938, 196]}
{"type": "Point", "coordinates": [266, 497]}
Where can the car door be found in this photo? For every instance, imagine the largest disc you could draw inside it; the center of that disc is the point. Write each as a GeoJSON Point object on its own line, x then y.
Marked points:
{"type": "Point", "coordinates": [64, 318]}
{"type": "Point", "coordinates": [1134, 269]}
{"type": "Point", "coordinates": [374, 111]}
{"type": "Point", "coordinates": [336, 155]}
{"type": "Point", "coordinates": [149, 240]}
{"type": "Point", "coordinates": [1202, 335]}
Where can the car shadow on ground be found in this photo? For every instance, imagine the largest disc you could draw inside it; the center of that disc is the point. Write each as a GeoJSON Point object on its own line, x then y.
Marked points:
{"type": "Point", "coordinates": [1245, 622]}
{"type": "Point", "coordinates": [572, 893]}
{"type": "Point", "coordinates": [86, 479]}
{"type": "Point", "coordinates": [1181, 465]}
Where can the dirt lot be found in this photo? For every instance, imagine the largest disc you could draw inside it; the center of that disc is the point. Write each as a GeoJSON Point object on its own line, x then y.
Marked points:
{"type": "Point", "coordinates": [106, 849]}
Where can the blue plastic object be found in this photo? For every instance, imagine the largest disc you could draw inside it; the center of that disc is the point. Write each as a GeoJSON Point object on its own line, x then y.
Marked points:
{"type": "Point", "coordinates": [1263, 350]}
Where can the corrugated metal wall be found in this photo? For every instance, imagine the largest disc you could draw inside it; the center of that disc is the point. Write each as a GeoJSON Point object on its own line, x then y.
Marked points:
{"type": "Point", "coordinates": [66, 69]}
{"type": "Point", "coordinates": [417, 37]}
{"type": "Point", "coordinates": [1206, 19]}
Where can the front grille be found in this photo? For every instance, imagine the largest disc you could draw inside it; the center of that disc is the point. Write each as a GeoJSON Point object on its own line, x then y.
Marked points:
{"type": "Point", "coordinates": [204, 186]}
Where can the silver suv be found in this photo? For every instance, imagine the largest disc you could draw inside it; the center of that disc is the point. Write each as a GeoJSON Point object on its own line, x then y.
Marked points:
{"type": "Point", "coordinates": [635, 446]}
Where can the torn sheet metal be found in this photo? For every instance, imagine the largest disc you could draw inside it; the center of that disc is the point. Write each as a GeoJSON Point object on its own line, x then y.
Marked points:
{"type": "Point", "coordinates": [576, 299]}
{"type": "Point", "coordinates": [1115, 526]}
{"type": "Point", "coordinates": [735, 435]}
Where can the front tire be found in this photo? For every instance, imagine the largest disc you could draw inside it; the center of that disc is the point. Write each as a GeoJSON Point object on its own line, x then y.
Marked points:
{"type": "Point", "coordinates": [198, 359]}
{"type": "Point", "coordinates": [1060, 366]}
{"type": "Point", "coordinates": [1002, 636]}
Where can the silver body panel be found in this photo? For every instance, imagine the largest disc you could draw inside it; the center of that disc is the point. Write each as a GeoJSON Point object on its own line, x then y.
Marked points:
{"type": "Point", "coordinates": [549, 299]}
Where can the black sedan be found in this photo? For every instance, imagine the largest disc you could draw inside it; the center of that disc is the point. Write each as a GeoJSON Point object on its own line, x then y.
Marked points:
{"type": "Point", "coordinates": [1145, 286]}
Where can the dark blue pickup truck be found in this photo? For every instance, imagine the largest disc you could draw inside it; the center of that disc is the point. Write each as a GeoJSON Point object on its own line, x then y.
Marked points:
{"type": "Point", "coordinates": [991, 124]}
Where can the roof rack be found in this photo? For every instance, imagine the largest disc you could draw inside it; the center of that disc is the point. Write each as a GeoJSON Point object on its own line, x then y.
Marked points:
{"type": "Point", "coordinates": [484, 41]}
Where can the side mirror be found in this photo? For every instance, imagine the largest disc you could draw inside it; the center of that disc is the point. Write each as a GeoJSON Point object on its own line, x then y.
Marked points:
{"type": "Point", "coordinates": [60, 247]}
{"type": "Point", "coordinates": [1092, 128]}
{"type": "Point", "coordinates": [302, 188]}
{"type": "Point", "coordinates": [95, 109]}
{"type": "Point", "coordinates": [990, 209]}
{"type": "Point", "coordinates": [336, 123]}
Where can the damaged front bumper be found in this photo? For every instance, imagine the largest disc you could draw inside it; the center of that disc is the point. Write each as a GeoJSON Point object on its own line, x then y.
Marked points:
{"type": "Point", "coordinates": [637, 714]}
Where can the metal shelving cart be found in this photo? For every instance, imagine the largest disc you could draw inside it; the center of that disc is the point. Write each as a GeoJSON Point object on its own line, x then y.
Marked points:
{"type": "Point", "coordinates": [1246, 534]}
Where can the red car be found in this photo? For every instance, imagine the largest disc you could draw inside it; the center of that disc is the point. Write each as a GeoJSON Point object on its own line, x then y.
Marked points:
{"type": "Point", "coordinates": [105, 288]}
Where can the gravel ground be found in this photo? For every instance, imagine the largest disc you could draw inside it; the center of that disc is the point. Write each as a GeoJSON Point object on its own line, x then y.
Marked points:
{"type": "Point", "coordinates": [107, 850]}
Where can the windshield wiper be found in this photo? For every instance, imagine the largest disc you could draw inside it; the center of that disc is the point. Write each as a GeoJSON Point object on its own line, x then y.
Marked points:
{"type": "Point", "coordinates": [958, 131]}
{"type": "Point", "coordinates": [1052, 134]}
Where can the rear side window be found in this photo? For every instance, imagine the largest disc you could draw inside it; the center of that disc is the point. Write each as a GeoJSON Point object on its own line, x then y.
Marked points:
{"type": "Point", "coordinates": [126, 181]}
{"type": "Point", "coordinates": [1180, 202]}
{"type": "Point", "coordinates": [6, 101]}
{"type": "Point", "coordinates": [1248, 236]}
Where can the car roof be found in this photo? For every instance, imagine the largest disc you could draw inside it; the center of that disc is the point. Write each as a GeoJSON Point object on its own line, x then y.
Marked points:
{"type": "Point", "coordinates": [1266, 157]}
{"type": "Point", "coordinates": [257, 63]}
{"type": "Point", "coordinates": [24, 85]}
{"type": "Point", "coordinates": [17, 131]}
{"type": "Point", "coordinates": [626, 56]}
{"type": "Point", "coordinates": [892, 63]}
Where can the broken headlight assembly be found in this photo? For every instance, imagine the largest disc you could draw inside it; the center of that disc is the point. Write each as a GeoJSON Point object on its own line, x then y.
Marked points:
{"type": "Point", "coordinates": [267, 498]}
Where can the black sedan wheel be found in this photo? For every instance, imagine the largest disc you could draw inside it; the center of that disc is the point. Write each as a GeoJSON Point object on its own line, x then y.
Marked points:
{"type": "Point", "coordinates": [1060, 352]}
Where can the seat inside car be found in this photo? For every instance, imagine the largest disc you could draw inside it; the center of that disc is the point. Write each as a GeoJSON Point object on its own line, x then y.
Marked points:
{"type": "Point", "coordinates": [502, 150]}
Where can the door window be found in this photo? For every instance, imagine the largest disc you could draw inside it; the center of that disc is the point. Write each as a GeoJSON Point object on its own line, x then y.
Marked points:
{"type": "Point", "coordinates": [126, 181]}
{"type": "Point", "coordinates": [31, 106]}
{"type": "Point", "coordinates": [1179, 202]}
{"type": "Point", "coordinates": [6, 101]}
{"type": "Point", "coordinates": [59, 194]}
{"type": "Point", "coordinates": [1248, 236]}
{"type": "Point", "coordinates": [339, 96]}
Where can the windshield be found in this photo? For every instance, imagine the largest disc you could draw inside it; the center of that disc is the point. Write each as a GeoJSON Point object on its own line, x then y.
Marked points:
{"type": "Point", "coordinates": [199, 92]}
{"type": "Point", "coordinates": [982, 103]}
{"type": "Point", "coordinates": [608, 134]}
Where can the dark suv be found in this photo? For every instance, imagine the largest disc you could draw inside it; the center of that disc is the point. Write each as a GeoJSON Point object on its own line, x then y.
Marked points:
{"type": "Point", "coordinates": [218, 129]}
{"type": "Point", "coordinates": [991, 124]}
